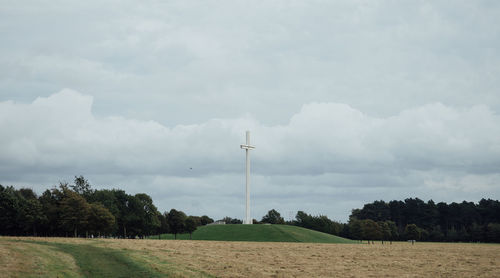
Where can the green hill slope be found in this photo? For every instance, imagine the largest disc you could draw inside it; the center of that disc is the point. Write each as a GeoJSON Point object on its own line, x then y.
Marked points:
{"type": "Point", "coordinates": [262, 233]}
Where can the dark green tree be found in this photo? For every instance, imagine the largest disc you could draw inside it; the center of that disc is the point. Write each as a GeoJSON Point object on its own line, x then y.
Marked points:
{"type": "Point", "coordinates": [394, 230]}
{"type": "Point", "coordinates": [319, 223]}
{"type": "Point", "coordinates": [149, 219]}
{"type": "Point", "coordinates": [489, 210]}
{"type": "Point", "coordinates": [386, 231]}
{"type": "Point", "coordinates": [356, 229]}
{"type": "Point", "coordinates": [190, 225]}
{"type": "Point", "coordinates": [303, 219]}
{"type": "Point", "coordinates": [108, 198]}
{"type": "Point", "coordinates": [9, 207]}
{"type": "Point", "coordinates": [371, 230]}
{"type": "Point", "coordinates": [230, 220]}
{"type": "Point", "coordinates": [273, 217]}
{"type": "Point", "coordinates": [493, 232]}
{"type": "Point", "coordinates": [412, 232]}
{"type": "Point", "coordinates": [435, 234]}
{"type": "Point", "coordinates": [100, 220]}
{"type": "Point", "coordinates": [164, 228]}
{"type": "Point", "coordinates": [477, 232]}
{"type": "Point", "coordinates": [376, 211]}
{"type": "Point", "coordinates": [176, 222]}
{"type": "Point", "coordinates": [82, 187]}
{"type": "Point", "coordinates": [74, 212]}
{"type": "Point", "coordinates": [204, 220]}
{"type": "Point", "coordinates": [396, 210]}
{"type": "Point", "coordinates": [50, 201]}
{"type": "Point", "coordinates": [128, 217]}
{"type": "Point", "coordinates": [32, 215]}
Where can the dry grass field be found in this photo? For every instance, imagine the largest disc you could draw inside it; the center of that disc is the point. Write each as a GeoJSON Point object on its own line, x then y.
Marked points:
{"type": "Point", "coordinates": [185, 258]}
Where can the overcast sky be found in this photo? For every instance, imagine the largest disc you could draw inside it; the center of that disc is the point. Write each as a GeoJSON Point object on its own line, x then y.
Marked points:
{"type": "Point", "coordinates": [348, 101]}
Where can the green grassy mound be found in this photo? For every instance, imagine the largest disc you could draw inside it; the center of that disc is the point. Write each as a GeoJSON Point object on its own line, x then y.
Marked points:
{"type": "Point", "coordinates": [261, 233]}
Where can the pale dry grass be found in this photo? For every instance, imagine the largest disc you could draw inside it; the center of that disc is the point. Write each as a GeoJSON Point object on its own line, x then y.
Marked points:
{"type": "Point", "coordinates": [251, 259]}
{"type": "Point", "coordinates": [21, 259]}
{"type": "Point", "coordinates": [12, 259]}
{"type": "Point", "coordinates": [248, 259]}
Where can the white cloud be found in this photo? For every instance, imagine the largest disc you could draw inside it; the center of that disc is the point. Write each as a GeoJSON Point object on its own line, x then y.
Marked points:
{"type": "Point", "coordinates": [327, 154]}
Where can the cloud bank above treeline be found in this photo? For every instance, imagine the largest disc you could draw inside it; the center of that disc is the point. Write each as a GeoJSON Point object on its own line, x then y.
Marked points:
{"type": "Point", "coordinates": [327, 153]}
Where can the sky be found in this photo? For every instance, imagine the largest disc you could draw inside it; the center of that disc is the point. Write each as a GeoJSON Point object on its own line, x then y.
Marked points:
{"type": "Point", "coordinates": [347, 101]}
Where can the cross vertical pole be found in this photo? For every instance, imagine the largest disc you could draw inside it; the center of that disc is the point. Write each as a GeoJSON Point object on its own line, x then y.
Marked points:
{"type": "Point", "coordinates": [248, 221]}
{"type": "Point", "coordinates": [247, 147]}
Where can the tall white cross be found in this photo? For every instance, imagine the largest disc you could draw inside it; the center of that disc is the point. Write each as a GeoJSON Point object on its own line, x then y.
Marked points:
{"type": "Point", "coordinates": [247, 147]}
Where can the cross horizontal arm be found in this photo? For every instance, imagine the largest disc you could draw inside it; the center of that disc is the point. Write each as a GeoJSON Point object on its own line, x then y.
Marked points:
{"type": "Point", "coordinates": [247, 147]}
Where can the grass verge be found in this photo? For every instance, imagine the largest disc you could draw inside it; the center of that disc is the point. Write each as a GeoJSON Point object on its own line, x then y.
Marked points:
{"type": "Point", "coordinates": [96, 262]}
{"type": "Point", "coordinates": [33, 258]}
{"type": "Point", "coordinates": [24, 259]}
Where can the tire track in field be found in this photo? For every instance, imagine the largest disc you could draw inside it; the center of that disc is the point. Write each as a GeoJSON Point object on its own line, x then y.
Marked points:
{"type": "Point", "coordinates": [99, 262]}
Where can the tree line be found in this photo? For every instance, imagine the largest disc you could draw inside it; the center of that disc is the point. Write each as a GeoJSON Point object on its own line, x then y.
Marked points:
{"type": "Point", "coordinates": [78, 210]}
{"type": "Point", "coordinates": [415, 219]}
{"type": "Point", "coordinates": [411, 219]}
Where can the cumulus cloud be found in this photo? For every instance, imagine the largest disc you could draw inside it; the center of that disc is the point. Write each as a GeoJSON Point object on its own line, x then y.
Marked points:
{"type": "Point", "coordinates": [326, 158]}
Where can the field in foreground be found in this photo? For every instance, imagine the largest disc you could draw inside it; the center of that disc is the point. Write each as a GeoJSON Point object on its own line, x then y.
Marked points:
{"type": "Point", "coordinates": [65, 257]}
{"type": "Point", "coordinates": [262, 233]}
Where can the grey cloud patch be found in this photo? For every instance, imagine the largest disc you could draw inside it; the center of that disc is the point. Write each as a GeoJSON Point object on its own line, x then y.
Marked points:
{"type": "Point", "coordinates": [218, 60]}
{"type": "Point", "coordinates": [326, 155]}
